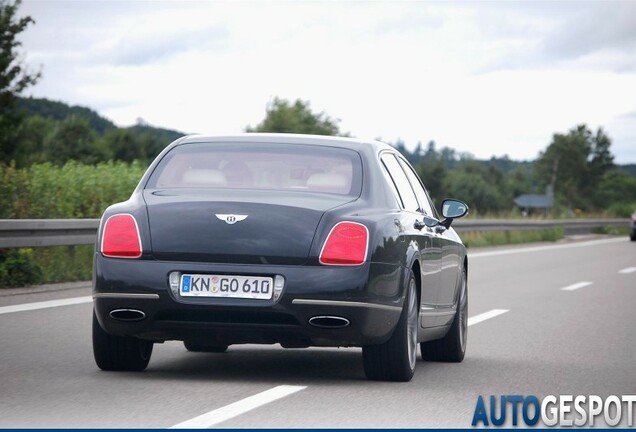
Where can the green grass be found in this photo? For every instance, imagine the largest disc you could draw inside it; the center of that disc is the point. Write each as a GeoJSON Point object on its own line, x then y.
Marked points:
{"type": "Point", "coordinates": [612, 230]}
{"type": "Point", "coordinates": [497, 238]}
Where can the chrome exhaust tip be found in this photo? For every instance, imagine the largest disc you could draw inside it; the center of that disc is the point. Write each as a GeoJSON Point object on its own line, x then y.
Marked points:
{"type": "Point", "coordinates": [329, 321]}
{"type": "Point", "coordinates": [127, 314]}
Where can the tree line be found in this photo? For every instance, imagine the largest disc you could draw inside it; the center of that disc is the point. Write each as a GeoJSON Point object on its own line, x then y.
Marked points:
{"type": "Point", "coordinates": [577, 166]}
{"type": "Point", "coordinates": [57, 133]}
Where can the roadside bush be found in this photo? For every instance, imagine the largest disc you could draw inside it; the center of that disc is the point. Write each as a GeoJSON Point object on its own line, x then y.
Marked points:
{"type": "Point", "coordinates": [47, 191]}
{"type": "Point", "coordinates": [74, 190]}
{"type": "Point", "coordinates": [17, 268]}
{"type": "Point", "coordinates": [13, 183]}
{"type": "Point", "coordinates": [622, 209]}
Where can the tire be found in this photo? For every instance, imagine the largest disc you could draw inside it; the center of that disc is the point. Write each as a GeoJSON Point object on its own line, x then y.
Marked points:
{"type": "Point", "coordinates": [395, 359]}
{"type": "Point", "coordinates": [452, 347]}
{"type": "Point", "coordinates": [195, 347]}
{"type": "Point", "coordinates": [118, 353]}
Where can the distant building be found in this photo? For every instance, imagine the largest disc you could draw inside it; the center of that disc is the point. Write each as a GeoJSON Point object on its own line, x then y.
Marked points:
{"type": "Point", "coordinates": [533, 203]}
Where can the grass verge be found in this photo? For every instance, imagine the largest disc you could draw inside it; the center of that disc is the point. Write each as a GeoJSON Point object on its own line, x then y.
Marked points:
{"type": "Point", "coordinates": [498, 238]}
{"type": "Point", "coordinates": [624, 231]}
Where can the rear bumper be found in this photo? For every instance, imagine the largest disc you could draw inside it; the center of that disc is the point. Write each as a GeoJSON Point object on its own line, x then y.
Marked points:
{"type": "Point", "coordinates": [369, 297]}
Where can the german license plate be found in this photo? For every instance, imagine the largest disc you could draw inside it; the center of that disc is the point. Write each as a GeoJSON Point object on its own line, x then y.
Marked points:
{"type": "Point", "coordinates": [249, 287]}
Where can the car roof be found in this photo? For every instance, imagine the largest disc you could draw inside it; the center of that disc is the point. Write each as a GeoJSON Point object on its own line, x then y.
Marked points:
{"type": "Point", "coordinates": [284, 138]}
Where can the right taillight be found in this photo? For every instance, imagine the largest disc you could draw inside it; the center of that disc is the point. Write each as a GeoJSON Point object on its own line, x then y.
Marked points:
{"type": "Point", "coordinates": [121, 237]}
{"type": "Point", "coordinates": [346, 244]}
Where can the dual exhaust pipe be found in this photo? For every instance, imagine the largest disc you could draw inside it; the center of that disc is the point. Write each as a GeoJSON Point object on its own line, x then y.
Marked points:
{"type": "Point", "coordinates": [320, 321]}
{"type": "Point", "coordinates": [127, 315]}
{"type": "Point", "coordinates": [329, 322]}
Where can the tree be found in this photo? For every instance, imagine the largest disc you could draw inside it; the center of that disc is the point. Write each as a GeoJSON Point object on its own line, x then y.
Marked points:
{"type": "Point", "coordinates": [432, 171]}
{"type": "Point", "coordinates": [519, 180]}
{"type": "Point", "coordinates": [30, 140]}
{"type": "Point", "coordinates": [285, 117]}
{"type": "Point", "coordinates": [124, 145]}
{"type": "Point", "coordinates": [574, 164]}
{"type": "Point", "coordinates": [152, 139]}
{"type": "Point", "coordinates": [14, 78]}
{"type": "Point", "coordinates": [602, 160]}
{"type": "Point", "coordinates": [615, 187]}
{"type": "Point", "coordinates": [481, 187]}
{"type": "Point", "coordinates": [449, 156]}
{"type": "Point", "coordinates": [74, 139]}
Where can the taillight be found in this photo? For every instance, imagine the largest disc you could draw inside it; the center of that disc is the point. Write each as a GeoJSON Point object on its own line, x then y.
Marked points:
{"type": "Point", "coordinates": [346, 244]}
{"type": "Point", "coordinates": [121, 237]}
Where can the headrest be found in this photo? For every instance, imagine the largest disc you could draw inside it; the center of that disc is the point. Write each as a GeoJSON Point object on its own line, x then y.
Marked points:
{"type": "Point", "coordinates": [328, 182]}
{"type": "Point", "coordinates": [203, 177]}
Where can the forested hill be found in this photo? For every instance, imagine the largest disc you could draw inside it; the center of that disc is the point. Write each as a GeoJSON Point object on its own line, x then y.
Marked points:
{"type": "Point", "coordinates": [58, 111]}
{"type": "Point", "coordinates": [629, 169]}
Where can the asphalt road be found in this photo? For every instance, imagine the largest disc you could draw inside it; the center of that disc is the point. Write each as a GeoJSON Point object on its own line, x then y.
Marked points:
{"type": "Point", "coordinates": [578, 341]}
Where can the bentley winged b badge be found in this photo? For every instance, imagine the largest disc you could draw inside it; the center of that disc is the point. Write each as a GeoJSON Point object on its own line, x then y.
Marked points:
{"type": "Point", "coordinates": [231, 219]}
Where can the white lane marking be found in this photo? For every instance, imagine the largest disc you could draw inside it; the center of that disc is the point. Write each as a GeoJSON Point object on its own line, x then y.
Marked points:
{"type": "Point", "coordinates": [45, 304]}
{"type": "Point", "coordinates": [543, 248]}
{"type": "Point", "coordinates": [627, 270]}
{"type": "Point", "coordinates": [237, 408]}
{"type": "Point", "coordinates": [576, 286]}
{"type": "Point", "coordinates": [486, 315]}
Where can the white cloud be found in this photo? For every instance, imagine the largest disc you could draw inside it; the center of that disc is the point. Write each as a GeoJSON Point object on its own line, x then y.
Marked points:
{"type": "Point", "coordinates": [485, 77]}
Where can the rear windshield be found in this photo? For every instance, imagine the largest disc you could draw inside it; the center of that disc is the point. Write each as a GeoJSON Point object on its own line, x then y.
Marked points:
{"type": "Point", "coordinates": [288, 167]}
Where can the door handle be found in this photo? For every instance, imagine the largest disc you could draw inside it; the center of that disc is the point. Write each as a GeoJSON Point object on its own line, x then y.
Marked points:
{"type": "Point", "coordinates": [440, 229]}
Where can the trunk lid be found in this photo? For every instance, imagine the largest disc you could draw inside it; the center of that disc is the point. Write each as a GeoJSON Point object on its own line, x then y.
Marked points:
{"type": "Point", "coordinates": [192, 225]}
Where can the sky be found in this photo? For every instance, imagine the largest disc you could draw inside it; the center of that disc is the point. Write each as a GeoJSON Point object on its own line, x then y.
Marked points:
{"type": "Point", "coordinates": [483, 77]}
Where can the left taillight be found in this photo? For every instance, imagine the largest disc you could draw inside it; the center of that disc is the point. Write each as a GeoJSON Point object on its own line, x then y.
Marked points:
{"type": "Point", "coordinates": [120, 238]}
{"type": "Point", "coordinates": [346, 244]}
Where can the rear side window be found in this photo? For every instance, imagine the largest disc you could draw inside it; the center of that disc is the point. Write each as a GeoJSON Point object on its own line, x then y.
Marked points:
{"type": "Point", "coordinates": [288, 167]}
{"type": "Point", "coordinates": [422, 196]}
{"type": "Point", "coordinates": [407, 196]}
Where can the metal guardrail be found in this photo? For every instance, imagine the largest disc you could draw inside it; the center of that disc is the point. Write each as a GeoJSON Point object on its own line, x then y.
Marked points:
{"type": "Point", "coordinates": [58, 232]}
{"type": "Point", "coordinates": [47, 232]}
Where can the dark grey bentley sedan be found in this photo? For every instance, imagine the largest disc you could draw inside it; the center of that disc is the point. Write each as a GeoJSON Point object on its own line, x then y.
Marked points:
{"type": "Point", "coordinates": [275, 238]}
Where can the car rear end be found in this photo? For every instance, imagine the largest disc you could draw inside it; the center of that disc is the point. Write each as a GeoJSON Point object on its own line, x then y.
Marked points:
{"type": "Point", "coordinates": [246, 242]}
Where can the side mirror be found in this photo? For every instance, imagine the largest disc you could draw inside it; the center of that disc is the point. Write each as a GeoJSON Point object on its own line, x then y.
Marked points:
{"type": "Point", "coordinates": [453, 209]}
